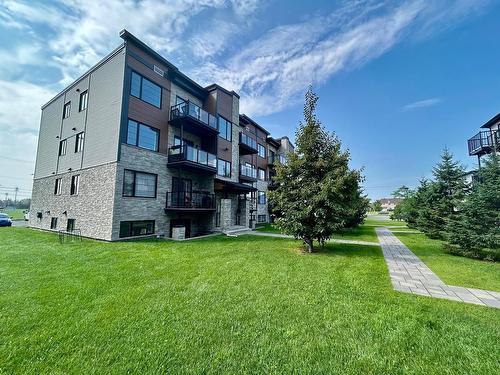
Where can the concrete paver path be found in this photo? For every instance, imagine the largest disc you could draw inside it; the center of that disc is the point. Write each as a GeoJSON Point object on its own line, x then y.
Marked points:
{"type": "Point", "coordinates": [410, 275]}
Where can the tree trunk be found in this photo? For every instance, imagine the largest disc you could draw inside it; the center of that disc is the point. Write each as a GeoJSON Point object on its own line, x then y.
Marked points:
{"type": "Point", "coordinates": [309, 243]}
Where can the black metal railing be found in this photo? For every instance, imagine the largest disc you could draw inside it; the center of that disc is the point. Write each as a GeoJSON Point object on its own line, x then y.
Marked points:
{"type": "Point", "coordinates": [483, 142]}
{"type": "Point", "coordinates": [248, 171]}
{"type": "Point", "coordinates": [190, 200]}
{"type": "Point", "coordinates": [248, 141]}
{"type": "Point", "coordinates": [192, 154]}
{"type": "Point", "coordinates": [189, 109]}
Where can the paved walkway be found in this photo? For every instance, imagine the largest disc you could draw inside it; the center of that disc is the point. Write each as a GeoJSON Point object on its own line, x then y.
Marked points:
{"type": "Point", "coordinates": [410, 275]}
{"type": "Point", "coordinates": [279, 235]}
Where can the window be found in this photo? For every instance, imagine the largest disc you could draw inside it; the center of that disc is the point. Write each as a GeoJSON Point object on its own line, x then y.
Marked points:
{"type": "Point", "coordinates": [136, 228]}
{"type": "Point", "coordinates": [62, 147]}
{"type": "Point", "coordinates": [146, 90]}
{"type": "Point", "coordinates": [58, 186]}
{"type": "Point", "coordinates": [261, 218]}
{"type": "Point", "coordinates": [142, 136]}
{"type": "Point", "coordinates": [262, 197]}
{"type": "Point", "coordinates": [75, 185]}
{"type": "Point", "coordinates": [262, 174]}
{"type": "Point", "coordinates": [271, 156]}
{"type": "Point", "coordinates": [70, 226]}
{"type": "Point", "coordinates": [177, 141]}
{"type": "Point", "coordinates": [139, 184]}
{"type": "Point", "coordinates": [225, 129]}
{"type": "Point", "coordinates": [282, 159]}
{"type": "Point", "coordinates": [179, 100]}
{"type": "Point", "coordinates": [84, 98]}
{"type": "Point", "coordinates": [79, 142]}
{"type": "Point", "coordinates": [67, 110]}
{"type": "Point", "coordinates": [262, 151]}
{"type": "Point", "coordinates": [53, 223]}
{"type": "Point", "coordinates": [223, 168]}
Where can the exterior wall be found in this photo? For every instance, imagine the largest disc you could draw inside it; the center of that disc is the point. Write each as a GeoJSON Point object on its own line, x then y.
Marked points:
{"type": "Point", "coordinates": [262, 209]}
{"type": "Point", "coordinates": [92, 207]}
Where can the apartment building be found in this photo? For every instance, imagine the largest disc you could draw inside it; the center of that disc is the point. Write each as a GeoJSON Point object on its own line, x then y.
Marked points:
{"type": "Point", "coordinates": [134, 147]}
{"type": "Point", "coordinates": [486, 141]}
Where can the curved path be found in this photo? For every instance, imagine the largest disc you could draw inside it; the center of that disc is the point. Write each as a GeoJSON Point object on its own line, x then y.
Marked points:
{"type": "Point", "coordinates": [410, 275]}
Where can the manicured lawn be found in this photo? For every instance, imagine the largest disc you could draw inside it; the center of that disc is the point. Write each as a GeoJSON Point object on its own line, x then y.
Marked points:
{"type": "Point", "coordinates": [225, 305]}
{"type": "Point", "coordinates": [453, 269]}
{"type": "Point", "coordinates": [361, 233]}
{"type": "Point", "coordinates": [383, 223]}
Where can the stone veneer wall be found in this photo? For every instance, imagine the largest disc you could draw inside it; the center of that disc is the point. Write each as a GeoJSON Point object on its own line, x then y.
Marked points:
{"type": "Point", "coordinates": [92, 208]}
{"type": "Point", "coordinates": [262, 209]}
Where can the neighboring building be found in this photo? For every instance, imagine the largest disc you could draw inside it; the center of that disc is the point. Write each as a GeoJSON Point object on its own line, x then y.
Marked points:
{"type": "Point", "coordinates": [134, 147]}
{"type": "Point", "coordinates": [389, 204]}
{"type": "Point", "coordinates": [486, 141]}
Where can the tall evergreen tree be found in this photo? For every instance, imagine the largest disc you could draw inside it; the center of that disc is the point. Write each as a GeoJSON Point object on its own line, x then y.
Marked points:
{"type": "Point", "coordinates": [476, 230]}
{"type": "Point", "coordinates": [442, 197]}
{"type": "Point", "coordinates": [317, 193]}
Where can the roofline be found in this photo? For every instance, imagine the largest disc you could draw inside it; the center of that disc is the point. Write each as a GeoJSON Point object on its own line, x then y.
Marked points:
{"type": "Point", "coordinates": [254, 123]}
{"type": "Point", "coordinates": [288, 139]}
{"type": "Point", "coordinates": [273, 141]}
{"type": "Point", "coordinates": [492, 121]}
{"type": "Point", "coordinates": [174, 72]}
{"type": "Point", "coordinates": [216, 86]}
{"type": "Point", "coordinates": [92, 69]}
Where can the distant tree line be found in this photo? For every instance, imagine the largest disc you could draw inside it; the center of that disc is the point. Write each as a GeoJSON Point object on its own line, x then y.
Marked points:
{"type": "Point", "coordinates": [446, 207]}
{"type": "Point", "coordinates": [23, 204]}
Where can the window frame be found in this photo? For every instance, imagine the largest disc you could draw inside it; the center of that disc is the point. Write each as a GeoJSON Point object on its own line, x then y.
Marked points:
{"type": "Point", "coordinates": [230, 128]}
{"type": "Point", "coordinates": [130, 224]}
{"type": "Point", "coordinates": [140, 97]}
{"type": "Point", "coordinates": [264, 174]}
{"type": "Point", "coordinates": [53, 222]}
{"type": "Point", "coordinates": [63, 146]}
{"type": "Point", "coordinates": [259, 146]}
{"type": "Point", "coordinates": [73, 225]}
{"type": "Point", "coordinates": [226, 163]}
{"type": "Point", "coordinates": [259, 195]}
{"type": "Point", "coordinates": [68, 106]}
{"type": "Point", "coordinates": [134, 184]}
{"type": "Point", "coordinates": [261, 216]}
{"type": "Point", "coordinates": [138, 131]}
{"type": "Point", "coordinates": [58, 186]}
{"type": "Point", "coordinates": [84, 99]}
{"type": "Point", "coordinates": [75, 185]}
{"type": "Point", "coordinates": [79, 141]}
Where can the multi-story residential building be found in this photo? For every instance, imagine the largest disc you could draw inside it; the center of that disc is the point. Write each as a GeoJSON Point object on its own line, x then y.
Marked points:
{"type": "Point", "coordinates": [486, 141]}
{"type": "Point", "coordinates": [135, 147]}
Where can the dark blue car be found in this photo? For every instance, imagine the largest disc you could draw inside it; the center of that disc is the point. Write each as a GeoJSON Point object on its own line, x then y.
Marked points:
{"type": "Point", "coordinates": [5, 220]}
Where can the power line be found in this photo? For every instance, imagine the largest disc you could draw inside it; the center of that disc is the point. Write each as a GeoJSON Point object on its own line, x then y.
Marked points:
{"type": "Point", "coordinates": [18, 160]}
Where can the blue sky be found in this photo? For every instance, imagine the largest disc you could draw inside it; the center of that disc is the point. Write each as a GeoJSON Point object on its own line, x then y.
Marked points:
{"type": "Point", "coordinates": [397, 80]}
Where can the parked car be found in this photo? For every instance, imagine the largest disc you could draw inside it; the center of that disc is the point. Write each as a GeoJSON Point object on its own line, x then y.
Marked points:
{"type": "Point", "coordinates": [5, 220]}
{"type": "Point", "coordinates": [26, 215]}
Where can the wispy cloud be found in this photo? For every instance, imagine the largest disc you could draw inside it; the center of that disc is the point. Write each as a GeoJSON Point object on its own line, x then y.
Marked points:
{"type": "Point", "coordinates": [422, 104]}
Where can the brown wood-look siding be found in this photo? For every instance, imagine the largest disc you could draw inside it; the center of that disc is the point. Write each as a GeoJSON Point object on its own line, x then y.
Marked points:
{"type": "Point", "coordinates": [224, 149]}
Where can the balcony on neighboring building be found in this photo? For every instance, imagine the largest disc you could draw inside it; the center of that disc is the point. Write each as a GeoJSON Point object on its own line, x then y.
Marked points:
{"type": "Point", "coordinates": [191, 158]}
{"type": "Point", "coordinates": [190, 201]}
{"type": "Point", "coordinates": [248, 145]}
{"type": "Point", "coordinates": [193, 119]}
{"type": "Point", "coordinates": [248, 173]}
{"type": "Point", "coordinates": [484, 143]}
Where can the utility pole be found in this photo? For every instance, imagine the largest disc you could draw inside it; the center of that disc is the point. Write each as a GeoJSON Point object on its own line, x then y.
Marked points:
{"type": "Point", "coordinates": [15, 196]}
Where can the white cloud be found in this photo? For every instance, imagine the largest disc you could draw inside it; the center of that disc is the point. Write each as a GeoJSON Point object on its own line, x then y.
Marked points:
{"type": "Point", "coordinates": [422, 104]}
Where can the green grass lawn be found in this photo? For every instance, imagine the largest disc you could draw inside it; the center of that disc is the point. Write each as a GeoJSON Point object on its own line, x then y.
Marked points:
{"type": "Point", "coordinates": [16, 214]}
{"type": "Point", "coordinates": [383, 223]}
{"type": "Point", "coordinates": [225, 305]}
{"type": "Point", "coordinates": [452, 269]}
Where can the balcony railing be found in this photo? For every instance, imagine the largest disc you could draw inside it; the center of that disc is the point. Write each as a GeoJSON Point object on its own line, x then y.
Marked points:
{"type": "Point", "coordinates": [190, 200]}
{"type": "Point", "coordinates": [188, 109]}
{"type": "Point", "coordinates": [483, 142]}
{"type": "Point", "coordinates": [248, 141]}
{"type": "Point", "coordinates": [248, 171]}
{"type": "Point", "coordinates": [191, 154]}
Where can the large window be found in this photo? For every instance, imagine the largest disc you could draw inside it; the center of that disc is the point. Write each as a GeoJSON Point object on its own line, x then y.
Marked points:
{"type": "Point", "coordinates": [79, 142]}
{"type": "Point", "coordinates": [67, 110]}
{"type": "Point", "coordinates": [146, 90]}
{"type": "Point", "coordinates": [262, 151]}
{"type": "Point", "coordinates": [225, 129]}
{"type": "Point", "coordinates": [84, 99]}
{"type": "Point", "coordinates": [223, 168]}
{"type": "Point", "coordinates": [62, 147]}
{"type": "Point", "coordinates": [142, 135]}
{"type": "Point", "coordinates": [262, 174]}
{"type": "Point", "coordinates": [139, 184]}
{"type": "Point", "coordinates": [75, 185]}
{"type": "Point", "coordinates": [136, 228]}
{"type": "Point", "coordinates": [58, 186]}
{"type": "Point", "coordinates": [262, 197]}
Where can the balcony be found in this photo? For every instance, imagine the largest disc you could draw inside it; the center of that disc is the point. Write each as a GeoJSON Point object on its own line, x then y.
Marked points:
{"type": "Point", "coordinates": [194, 119]}
{"type": "Point", "coordinates": [188, 201]}
{"type": "Point", "coordinates": [248, 173]}
{"type": "Point", "coordinates": [483, 143]}
{"type": "Point", "coordinates": [191, 158]}
{"type": "Point", "coordinates": [248, 145]}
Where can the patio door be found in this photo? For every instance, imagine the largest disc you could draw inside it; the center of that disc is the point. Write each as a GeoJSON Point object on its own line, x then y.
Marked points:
{"type": "Point", "coordinates": [182, 192]}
